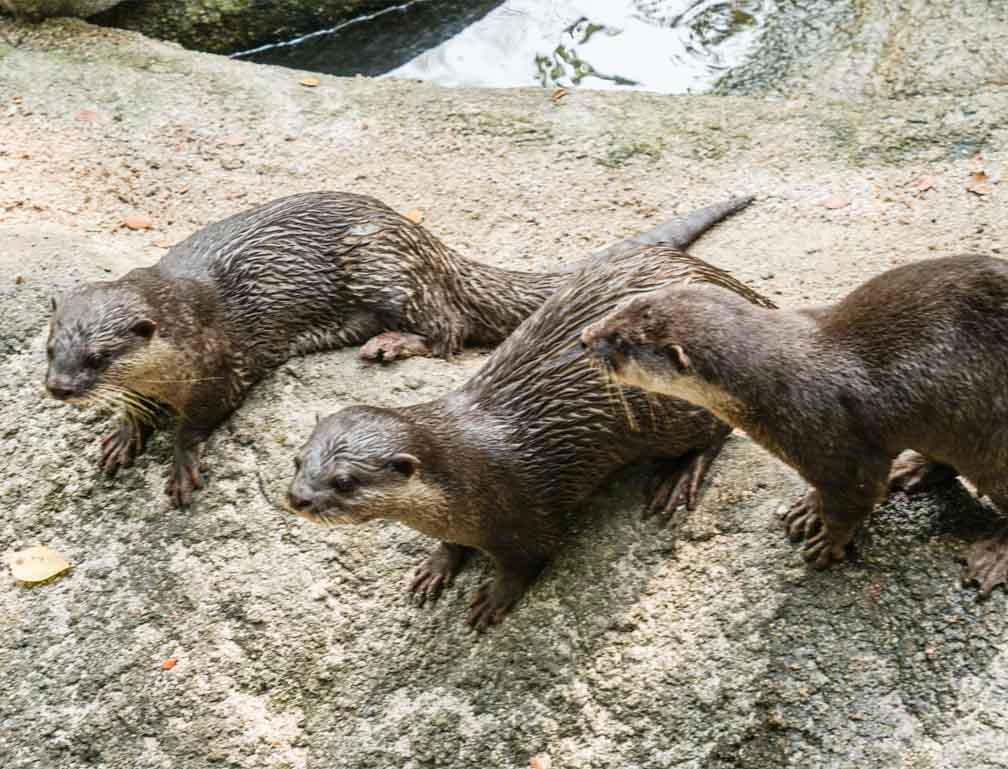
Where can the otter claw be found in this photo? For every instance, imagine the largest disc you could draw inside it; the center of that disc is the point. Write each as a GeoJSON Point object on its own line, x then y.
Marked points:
{"type": "Point", "coordinates": [486, 609]}
{"type": "Point", "coordinates": [394, 345]}
{"type": "Point", "coordinates": [426, 586]}
{"type": "Point", "coordinates": [183, 481]}
{"type": "Point", "coordinates": [121, 447]}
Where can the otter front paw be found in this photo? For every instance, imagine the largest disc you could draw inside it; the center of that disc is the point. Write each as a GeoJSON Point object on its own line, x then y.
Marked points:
{"type": "Point", "coordinates": [394, 345]}
{"type": "Point", "coordinates": [493, 600]}
{"type": "Point", "coordinates": [122, 446]}
{"type": "Point", "coordinates": [436, 572]}
{"type": "Point", "coordinates": [987, 563]}
{"type": "Point", "coordinates": [802, 521]}
{"type": "Point", "coordinates": [185, 478]}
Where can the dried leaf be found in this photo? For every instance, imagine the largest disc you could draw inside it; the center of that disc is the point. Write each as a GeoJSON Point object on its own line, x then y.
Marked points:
{"type": "Point", "coordinates": [542, 761]}
{"type": "Point", "coordinates": [311, 81]}
{"type": "Point", "coordinates": [161, 244]}
{"type": "Point", "coordinates": [86, 115]}
{"type": "Point", "coordinates": [169, 663]}
{"type": "Point", "coordinates": [234, 140]}
{"type": "Point", "coordinates": [979, 183]}
{"type": "Point", "coordinates": [416, 215]}
{"type": "Point", "coordinates": [558, 94]}
{"type": "Point", "coordinates": [18, 280]}
{"type": "Point", "coordinates": [137, 222]}
{"type": "Point", "coordinates": [924, 183]}
{"type": "Point", "coordinates": [836, 201]}
{"type": "Point", "coordinates": [37, 564]}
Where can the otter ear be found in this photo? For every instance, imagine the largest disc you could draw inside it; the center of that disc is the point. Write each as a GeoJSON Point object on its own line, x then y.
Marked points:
{"type": "Point", "coordinates": [144, 328]}
{"type": "Point", "coordinates": [677, 355]}
{"type": "Point", "coordinates": [406, 464]}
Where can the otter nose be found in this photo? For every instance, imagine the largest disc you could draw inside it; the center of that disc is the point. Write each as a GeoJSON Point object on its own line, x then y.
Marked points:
{"type": "Point", "coordinates": [297, 502]}
{"type": "Point", "coordinates": [60, 389]}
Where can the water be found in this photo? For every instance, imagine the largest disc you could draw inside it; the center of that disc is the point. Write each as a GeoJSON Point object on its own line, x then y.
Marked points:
{"type": "Point", "coordinates": [667, 46]}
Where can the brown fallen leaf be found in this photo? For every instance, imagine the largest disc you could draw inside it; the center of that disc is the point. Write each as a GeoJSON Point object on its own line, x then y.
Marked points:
{"type": "Point", "coordinates": [924, 184]}
{"type": "Point", "coordinates": [234, 140]}
{"type": "Point", "coordinates": [18, 280]}
{"type": "Point", "coordinates": [836, 201]}
{"type": "Point", "coordinates": [37, 564]}
{"type": "Point", "coordinates": [558, 94]}
{"type": "Point", "coordinates": [162, 244]}
{"type": "Point", "coordinates": [137, 222]}
{"type": "Point", "coordinates": [87, 115]}
{"type": "Point", "coordinates": [169, 663]}
{"type": "Point", "coordinates": [310, 82]}
{"type": "Point", "coordinates": [416, 215]}
{"type": "Point", "coordinates": [542, 761]}
{"type": "Point", "coordinates": [979, 183]}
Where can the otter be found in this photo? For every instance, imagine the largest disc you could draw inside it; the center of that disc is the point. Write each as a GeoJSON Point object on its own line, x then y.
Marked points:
{"type": "Point", "coordinates": [501, 464]}
{"type": "Point", "coordinates": [915, 358]}
{"type": "Point", "coordinates": [190, 335]}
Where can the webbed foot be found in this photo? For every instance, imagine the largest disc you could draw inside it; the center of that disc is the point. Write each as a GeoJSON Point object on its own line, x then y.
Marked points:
{"type": "Point", "coordinates": [185, 477]}
{"type": "Point", "coordinates": [803, 523]}
{"type": "Point", "coordinates": [987, 563]}
{"type": "Point", "coordinates": [394, 345]}
{"type": "Point", "coordinates": [437, 572]}
{"type": "Point", "coordinates": [912, 473]}
{"type": "Point", "coordinates": [681, 479]}
{"type": "Point", "coordinates": [123, 445]}
{"type": "Point", "coordinates": [495, 598]}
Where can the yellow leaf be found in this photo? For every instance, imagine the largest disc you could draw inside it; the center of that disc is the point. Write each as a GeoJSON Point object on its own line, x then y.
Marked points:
{"type": "Point", "coordinates": [416, 215]}
{"type": "Point", "coordinates": [37, 564]}
{"type": "Point", "coordinates": [311, 81]}
{"type": "Point", "coordinates": [137, 222]}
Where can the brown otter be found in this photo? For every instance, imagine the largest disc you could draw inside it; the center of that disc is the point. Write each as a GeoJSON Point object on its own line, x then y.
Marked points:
{"type": "Point", "coordinates": [301, 274]}
{"type": "Point", "coordinates": [501, 464]}
{"type": "Point", "coordinates": [914, 358]}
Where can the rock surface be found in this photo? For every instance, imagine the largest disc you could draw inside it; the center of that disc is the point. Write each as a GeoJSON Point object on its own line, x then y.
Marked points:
{"type": "Point", "coordinates": [704, 644]}
{"type": "Point", "coordinates": [44, 9]}
{"type": "Point", "coordinates": [225, 26]}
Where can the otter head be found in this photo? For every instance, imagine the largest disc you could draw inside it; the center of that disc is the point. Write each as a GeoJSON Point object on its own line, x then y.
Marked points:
{"type": "Point", "coordinates": [358, 465]}
{"type": "Point", "coordinates": [92, 335]}
{"type": "Point", "coordinates": [638, 345]}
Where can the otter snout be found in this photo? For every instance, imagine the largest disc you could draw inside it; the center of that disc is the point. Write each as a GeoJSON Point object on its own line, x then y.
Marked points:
{"type": "Point", "coordinates": [62, 388]}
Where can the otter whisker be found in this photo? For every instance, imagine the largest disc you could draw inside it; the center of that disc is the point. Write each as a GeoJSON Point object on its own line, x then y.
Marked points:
{"type": "Point", "coordinates": [180, 381]}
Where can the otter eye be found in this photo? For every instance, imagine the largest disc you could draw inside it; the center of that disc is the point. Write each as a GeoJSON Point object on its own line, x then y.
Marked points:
{"type": "Point", "coordinates": [94, 360]}
{"type": "Point", "coordinates": [344, 483]}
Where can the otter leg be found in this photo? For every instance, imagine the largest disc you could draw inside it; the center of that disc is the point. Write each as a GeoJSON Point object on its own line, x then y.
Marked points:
{"type": "Point", "coordinates": [438, 571]}
{"type": "Point", "coordinates": [495, 598]}
{"type": "Point", "coordinates": [680, 479]}
{"type": "Point", "coordinates": [913, 473]}
{"type": "Point", "coordinates": [185, 474]}
{"type": "Point", "coordinates": [394, 345]}
{"type": "Point", "coordinates": [840, 511]}
{"type": "Point", "coordinates": [124, 444]}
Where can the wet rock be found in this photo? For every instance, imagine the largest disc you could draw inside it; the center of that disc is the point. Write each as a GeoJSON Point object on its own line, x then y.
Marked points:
{"type": "Point", "coordinates": [44, 9]}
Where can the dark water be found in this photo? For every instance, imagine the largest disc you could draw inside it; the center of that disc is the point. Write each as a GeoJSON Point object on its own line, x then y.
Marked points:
{"type": "Point", "coordinates": [669, 46]}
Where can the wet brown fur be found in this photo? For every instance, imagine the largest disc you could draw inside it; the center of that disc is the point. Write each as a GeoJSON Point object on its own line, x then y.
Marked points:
{"type": "Point", "coordinates": [510, 455]}
{"type": "Point", "coordinates": [916, 358]}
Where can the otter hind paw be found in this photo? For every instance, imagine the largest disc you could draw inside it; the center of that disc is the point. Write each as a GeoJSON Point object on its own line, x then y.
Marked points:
{"type": "Point", "coordinates": [394, 345]}
{"type": "Point", "coordinates": [987, 564]}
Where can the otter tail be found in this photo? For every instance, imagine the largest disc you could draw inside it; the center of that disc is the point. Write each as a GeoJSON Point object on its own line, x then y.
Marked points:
{"type": "Point", "coordinates": [678, 233]}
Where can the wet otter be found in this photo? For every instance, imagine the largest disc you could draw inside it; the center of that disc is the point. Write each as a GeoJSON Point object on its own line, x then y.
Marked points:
{"type": "Point", "coordinates": [914, 358]}
{"type": "Point", "coordinates": [301, 274]}
{"type": "Point", "coordinates": [501, 464]}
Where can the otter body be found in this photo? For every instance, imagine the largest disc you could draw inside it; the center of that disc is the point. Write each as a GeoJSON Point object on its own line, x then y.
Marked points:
{"type": "Point", "coordinates": [916, 358]}
{"type": "Point", "coordinates": [501, 464]}
{"type": "Point", "coordinates": [301, 274]}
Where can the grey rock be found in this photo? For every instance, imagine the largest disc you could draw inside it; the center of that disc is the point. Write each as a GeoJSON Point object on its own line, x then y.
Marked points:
{"type": "Point", "coordinates": [702, 644]}
{"type": "Point", "coordinates": [44, 9]}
